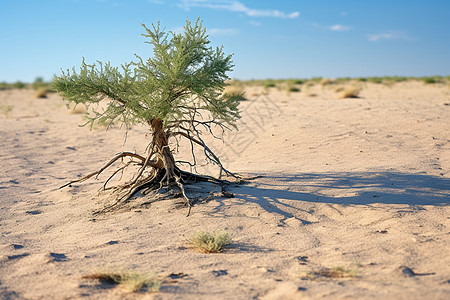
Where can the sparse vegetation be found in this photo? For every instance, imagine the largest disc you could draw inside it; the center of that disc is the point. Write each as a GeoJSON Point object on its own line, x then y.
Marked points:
{"type": "Point", "coordinates": [432, 80]}
{"type": "Point", "coordinates": [269, 83]}
{"type": "Point", "coordinates": [19, 85]}
{"type": "Point", "coordinates": [326, 81]}
{"type": "Point", "coordinates": [233, 91]}
{"type": "Point", "coordinates": [130, 280]}
{"type": "Point", "coordinates": [333, 272]}
{"type": "Point", "coordinates": [41, 92]}
{"type": "Point", "coordinates": [6, 109]}
{"type": "Point", "coordinates": [207, 242]}
{"type": "Point", "coordinates": [350, 92]}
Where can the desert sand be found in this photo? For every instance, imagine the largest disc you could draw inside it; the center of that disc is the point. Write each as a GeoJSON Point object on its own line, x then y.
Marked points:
{"type": "Point", "coordinates": [360, 184]}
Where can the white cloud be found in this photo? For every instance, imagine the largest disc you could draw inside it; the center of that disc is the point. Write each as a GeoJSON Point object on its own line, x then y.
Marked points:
{"type": "Point", "coordinates": [339, 27]}
{"type": "Point", "coordinates": [236, 6]}
{"type": "Point", "coordinates": [222, 31]}
{"type": "Point", "coordinates": [336, 27]}
{"type": "Point", "coordinates": [254, 23]}
{"type": "Point", "coordinates": [390, 35]}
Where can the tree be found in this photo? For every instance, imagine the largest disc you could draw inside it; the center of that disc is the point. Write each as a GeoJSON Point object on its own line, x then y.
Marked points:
{"type": "Point", "coordinates": [177, 93]}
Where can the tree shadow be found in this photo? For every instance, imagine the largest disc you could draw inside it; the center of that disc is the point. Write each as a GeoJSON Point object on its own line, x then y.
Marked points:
{"type": "Point", "coordinates": [280, 193]}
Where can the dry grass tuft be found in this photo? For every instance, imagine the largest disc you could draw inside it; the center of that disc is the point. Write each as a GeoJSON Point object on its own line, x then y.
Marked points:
{"type": "Point", "coordinates": [232, 91]}
{"type": "Point", "coordinates": [335, 273]}
{"type": "Point", "coordinates": [41, 92]}
{"type": "Point", "coordinates": [207, 242]}
{"type": "Point", "coordinates": [339, 89]}
{"type": "Point", "coordinates": [78, 109]}
{"type": "Point", "coordinates": [130, 280]}
{"type": "Point", "coordinates": [326, 81]}
{"type": "Point", "coordinates": [350, 92]}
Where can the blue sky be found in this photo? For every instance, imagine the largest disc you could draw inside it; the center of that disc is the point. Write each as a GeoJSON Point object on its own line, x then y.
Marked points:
{"type": "Point", "coordinates": [269, 39]}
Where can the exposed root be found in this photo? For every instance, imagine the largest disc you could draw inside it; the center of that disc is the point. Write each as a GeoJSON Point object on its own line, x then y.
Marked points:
{"type": "Point", "coordinates": [158, 170]}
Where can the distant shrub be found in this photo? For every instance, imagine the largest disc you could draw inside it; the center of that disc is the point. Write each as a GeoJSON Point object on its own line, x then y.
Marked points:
{"type": "Point", "coordinates": [4, 86]}
{"type": "Point", "coordinates": [377, 80]}
{"type": "Point", "coordinates": [41, 92]}
{"type": "Point", "coordinates": [234, 91]}
{"type": "Point", "coordinates": [19, 85]}
{"type": "Point", "coordinates": [326, 81]}
{"type": "Point", "coordinates": [350, 92]}
{"type": "Point", "coordinates": [207, 242]}
{"type": "Point", "coordinates": [294, 89]}
{"type": "Point", "coordinates": [432, 80]}
{"type": "Point", "coordinates": [269, 84]}
{"type": "Point", "coordinates": [298, 81]}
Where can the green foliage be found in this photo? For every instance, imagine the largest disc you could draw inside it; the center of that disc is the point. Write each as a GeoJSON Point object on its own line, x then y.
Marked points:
{"type": "Point", "coordinates": [433, 79]}
{"type": "Point", "coordinates": [39, 83]}
{"type": "Point", "coordinates": [19, 85]}
{"type": "Point", "coordinates": [4, 86]}
{"type": "Point", "coordinates": [184, 76]}
{"type": "Point", "coordinates": [207, 242]}
{"type": "Point", "coordinates": [269, 83]}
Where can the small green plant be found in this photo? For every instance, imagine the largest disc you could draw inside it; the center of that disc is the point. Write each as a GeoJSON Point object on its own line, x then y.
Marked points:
{"type": "Point", "coordinates": [130, 280]}
{"type": "Point", "coordinates": [207, 242]}
{"type": "Point", "coordinates": [6, 109]}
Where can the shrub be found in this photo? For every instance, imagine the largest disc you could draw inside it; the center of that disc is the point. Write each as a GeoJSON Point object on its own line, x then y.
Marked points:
{"type": "Point", "coordinates": [41, 92]}
{"type": "Point", "coordinates": [375, 79]}
{"type": "Point", "coordinates": [39, 83]}
{"type": "Point", "coordinates": [207, 242]}
{"type": "Point", "coordinates": [298, 81]}
{"type": "Point", "coordinates": [432, 80]}
{"type": "Point", "coordinates": [19, 85]}
{"type": "Point", "coordinates": [269, 84]}
{"type": "Point", "coordinates": [131, 280]}
{"type": "Point", "coordinates": [232, 91]}
{"type": "Point", "coordinates": [350, 92]}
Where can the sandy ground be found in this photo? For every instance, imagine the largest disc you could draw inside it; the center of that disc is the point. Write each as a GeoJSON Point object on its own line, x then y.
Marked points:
{"type": "Point", "coordinates": [362, 184]}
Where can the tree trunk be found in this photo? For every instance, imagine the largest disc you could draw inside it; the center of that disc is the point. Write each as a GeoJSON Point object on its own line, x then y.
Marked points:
{"type": "Point", "coordinates": [161, 147]}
